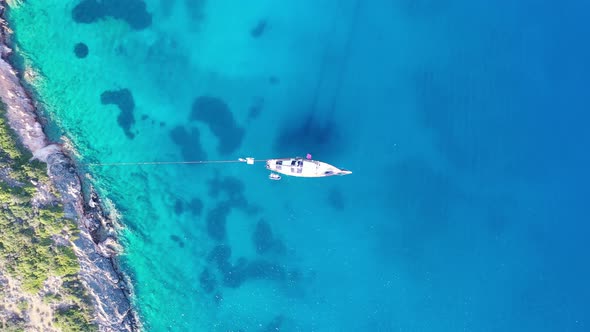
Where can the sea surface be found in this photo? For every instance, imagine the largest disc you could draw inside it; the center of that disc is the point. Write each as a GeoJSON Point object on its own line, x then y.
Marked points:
{"type": "Point", "coordinates": [464, 123]}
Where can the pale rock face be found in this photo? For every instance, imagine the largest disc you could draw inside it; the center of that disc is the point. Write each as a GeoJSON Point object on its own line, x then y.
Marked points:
{"type": "Point", "coordinates": [42, 153]}
{"type": "Point", "coordinates": [109, 247]}
{"type": "Point", "coordinates": [19, 109]}
{"type": "Point", "coordinates": [14, 3]}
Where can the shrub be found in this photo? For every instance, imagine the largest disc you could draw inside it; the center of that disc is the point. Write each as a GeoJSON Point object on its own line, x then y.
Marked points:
{"type": "Point", "coordinates": [73, 319]}
{"type": "Point", "coordinates": [66, 262]}
{"type": "Point", "coordinates": [27, 248]}
{"type": "Point", "coordinates": [7, 140]}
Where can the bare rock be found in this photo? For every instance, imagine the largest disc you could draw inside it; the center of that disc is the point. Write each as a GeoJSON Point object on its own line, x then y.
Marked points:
{"type": "Point", "coordinates": [109, 248]}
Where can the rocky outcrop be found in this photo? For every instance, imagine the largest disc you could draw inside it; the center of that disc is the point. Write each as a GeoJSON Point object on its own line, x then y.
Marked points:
{"type": "Point", "coordinates": [96, 247]}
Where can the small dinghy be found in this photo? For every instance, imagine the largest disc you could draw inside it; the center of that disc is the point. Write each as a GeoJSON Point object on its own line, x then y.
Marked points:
{"type": "Point", "coordinates": [274, 176]}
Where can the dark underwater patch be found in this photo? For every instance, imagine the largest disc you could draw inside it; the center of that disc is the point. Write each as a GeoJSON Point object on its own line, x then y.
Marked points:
{"type": "Point", "coordinates": [306, 134]}
{"type": "Point", "coordinates": [81, 50]}
{"type": "Point", "coordinates": [264, 241]}
{"type": "Point", "coordinates": [216, 221]}
{"type": "Point", "coordinates": [189, 143]}
{"type": "Point", "coordinates": [195, 206]}
{"type": "Point", "coordinates": [231, 186]}
{"type": "Point", "coordinates": [195, 9]}
{"type": "Point", "coordinates": [234, 275]}
{"type": "Point", "coordinates": [294, 276]}
{"type": "Point", "coordinates": [256, 108]}
{"type": "Point", "coordinates": [178, 207]}
{"type": "Point", "coordinates": [261, 269]}
{"type": "Point", "coordinates": [218, 297]}
{"type": "Point", "coordinates": [131, 11]}
{"type": "Point", "coordinates": [124, 100]}
{"type": "Point", "coordinates": [243, 271]}
{"type": "Point", "coordinates": [258, 29]}
{"type": "Point", "coordinates": [274, 325]}
{"type": "Point", "coordinates": [231, 191]}
{"type": "Point", "coordinates": [262, 237]}
{"type": "Point", "coordinates": [220, 256]}
{"type": "Point", "coordinates": [207, 281]}
{"type": "Point", "coordinates": [177, 239]}
{"type": "Point", "coordinates": [336, 199]}
{"type": "Point", "coordinates": [215, 113]}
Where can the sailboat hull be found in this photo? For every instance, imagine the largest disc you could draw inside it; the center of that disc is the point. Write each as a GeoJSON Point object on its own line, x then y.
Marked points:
{"type": "Point", "coordinates": [304, 168]}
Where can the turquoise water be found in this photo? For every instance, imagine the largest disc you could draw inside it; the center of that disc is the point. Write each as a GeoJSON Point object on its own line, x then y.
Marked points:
{"type": "Point", "coordinates": [462, 122]}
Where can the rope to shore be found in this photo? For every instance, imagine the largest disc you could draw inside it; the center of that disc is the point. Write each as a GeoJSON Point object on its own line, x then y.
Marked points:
{"type": "Point", "coordinates": [172, 162]}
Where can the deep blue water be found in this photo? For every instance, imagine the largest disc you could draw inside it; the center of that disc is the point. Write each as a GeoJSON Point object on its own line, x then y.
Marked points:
{"type": "Point", "coordinates": [464, 123]}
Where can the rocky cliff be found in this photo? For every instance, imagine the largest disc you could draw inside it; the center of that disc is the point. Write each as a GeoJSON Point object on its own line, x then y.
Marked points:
{"type": "Point", "coordinates": [96, 247]}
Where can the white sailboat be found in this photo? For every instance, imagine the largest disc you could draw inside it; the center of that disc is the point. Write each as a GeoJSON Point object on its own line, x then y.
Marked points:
{"type": "Point", "coordinates": [302, 167]}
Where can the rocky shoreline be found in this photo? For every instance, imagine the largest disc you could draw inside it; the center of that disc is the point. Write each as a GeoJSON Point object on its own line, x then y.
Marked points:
{"type": "Point", "coordinates": [96, 247]}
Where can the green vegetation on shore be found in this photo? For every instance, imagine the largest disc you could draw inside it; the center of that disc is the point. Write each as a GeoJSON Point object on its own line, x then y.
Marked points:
{"type": "Point", "coordinates": [36, 251]}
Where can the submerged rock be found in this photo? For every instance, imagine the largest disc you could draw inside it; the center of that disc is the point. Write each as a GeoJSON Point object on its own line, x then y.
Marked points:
{"type": "Point", "coordinates": [259, 29]}
{"type": "Point", "coordinates": [131, 11]}
{"type": "Point", "coordinates": [216, 221]}
{"type": "Point", "coordinates": [262, 237]}
{"type": "Point", "coordinates": [123, 98]}
{"type": "Point", "coordinates": [274, 325]}
{"type": "Point", "coordinates": [109, 247]}
{"type": "Point", "coordinates": [207, 281]}
{"type": "Point", "coordinates": [215, 113]}
{"type": "Point", "coordinates": [189, 143]}
{"type": "Point", "coordinates": [81, 50]}
{"type": "Point", "coordinates": [95, 248]}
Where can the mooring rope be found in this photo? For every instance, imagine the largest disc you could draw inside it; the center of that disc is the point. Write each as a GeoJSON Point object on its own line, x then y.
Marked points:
{"type": "Point", "coordinates": [172, 162]}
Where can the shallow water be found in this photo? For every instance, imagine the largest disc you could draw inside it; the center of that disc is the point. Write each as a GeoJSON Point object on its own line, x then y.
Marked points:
{"type": "Point", "coordinates": [462, 122]}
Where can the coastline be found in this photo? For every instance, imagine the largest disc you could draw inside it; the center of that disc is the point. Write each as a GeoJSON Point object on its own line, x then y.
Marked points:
{"type": "Point", "coordinates": [96, 246]}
